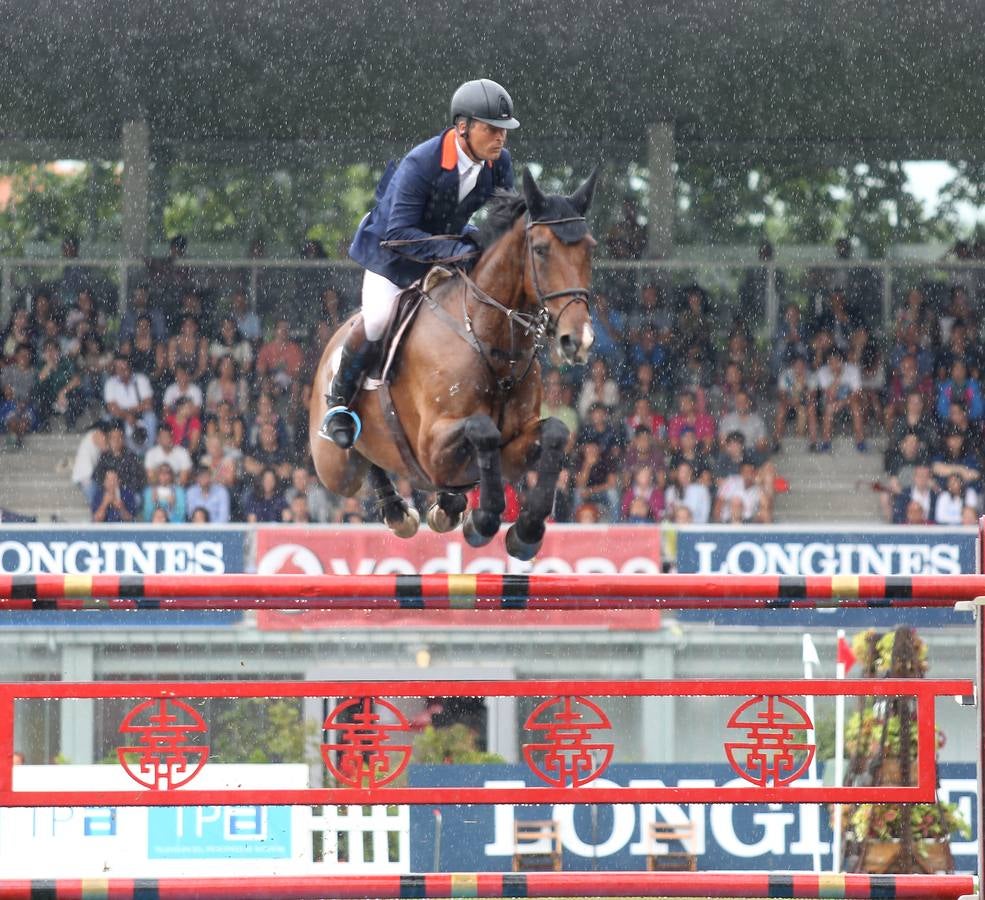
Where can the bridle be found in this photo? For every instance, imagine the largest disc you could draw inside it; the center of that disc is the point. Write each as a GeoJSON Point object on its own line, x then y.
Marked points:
{"type": "Point", "coordinates": [577, 294]}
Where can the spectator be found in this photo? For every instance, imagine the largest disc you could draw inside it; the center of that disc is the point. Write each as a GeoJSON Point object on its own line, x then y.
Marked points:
{"type": "Point", "coordinates": [216, 453]}
{"type": "Point", "coordinates": [229, 426]}
{"type": "Point", "coordinates": [872, 376]}
{"type": "Point", "coordinates": [166, 452]}
{"type": "Point", "coordinates": [757, 284]}
{"type": "Point", "coordinates": [18, 382]}
{"type": "Point", "coordinates": [266, 502]}
{"type": "Point", "coordinates": [915, 514]}
{"type": "Point", "coordinates": [268, 453]}
{"type": "Point", "coordinates": [688, 416]}
{"type": "Point", "coordinates": [75, 277]}
{"type": "Point", "coordinates": [129, 398]}
{"type": "Point", "coordinates": [795, 392]}
{"type": "Point", "coordinates": [693, 453]}
{"type": "Point", "coordinates": [138, 307]}
{"type": "Point", "coordinates": [200, 516]}
{"type": "Point", "coordinates": [915, 420]}
{"type": "Point", "coordinates": [279, 361]}
{"type": "Point", "coordinates": [916, 314]}
{"type": "Point", "coordinates": [227, 387]}
{"type": "Point", "coordinates": [922, 492]}
{"type": "Point", "coordinates": [319, 504]}
{"type": "Point", "coordinates": [555, 404]}
{"type": "Point", "coordinates": [42, 321]}
{"type": "Point", "coordinates": [204, 494]}
{"type": "Point", "coordinates": [189, 349]}
{"type": "Point", "coordinates": [643, 450]}
{"type": "Point", "coordinates": [958, 347]}
{"type": "Point", "coordinates": [740, 497]}
{"type": "Point", "coordinates": [599, 430]}
{"type": "Point", "coordinates": [901, 461]}
{"type": "Point", "coordinates": [230, 342]}
{"type": "Point", "coordinates": [147, 355]}
{"type": "Point", "coordinates": [957, 504]}
{"type": "Point", "coordinates": [247, 321]}
{"type": "Point", "coordinates": [609, 325]}
{"type": "Point", "coordinates": [18, 332]}
{"type": "Point", "coordinates": [84, 312]}
{"type": "Point", "coordinates": [183, 388]}
{"type": "Point", "coordinates": [186, 426]}
{"type": "Point", "coordinates": [789, 340]}
{"type": "Point", "coordinates": [91, 447]}
{"type": "Point", "coordinates": [960, 387]}
{"type": "Point", "coordinates": [644, 499]}
{"type": "Point", "coordinates": [164, 493]}
{"type": "Point", "coordinates": [956, 458]}
{"type": "Point", "coordinates": [57, 389]}
{"type": "Point", "coordinates": [114, 502]}
{"type": "Point", "coordinates": [693, 330]}
{"type": "Point", "coordinates": [902, 382]}
{"type": "Point", "coordinates": [644, 414]}
{"type": "Point", "coordinates": [839, 385]}
{"type": "Point", "coordinates": [626, 239]}
{"type": "Point", "coordinates": [599, 388]}
{"type": "Point", "coordinates": [684, 491]}
{"type": "Point", "coordinates": [297, 510]}
{"type": "Point", "coordinates": [121, 459]}
{"type": "Point", "coordinates": [750, 424]}
{"type": "Point", "coordinates": [596, 480]}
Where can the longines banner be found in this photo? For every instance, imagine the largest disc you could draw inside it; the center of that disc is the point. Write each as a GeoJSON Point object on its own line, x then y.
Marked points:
{"type": "Point", "coordinates": [776, 550]}
{"type": "Point", "coordinates": [727, 836]}
{"type": "Point", "coordinates": [367, 550]}
{"type": "Point", "coordinates": [111, 550]}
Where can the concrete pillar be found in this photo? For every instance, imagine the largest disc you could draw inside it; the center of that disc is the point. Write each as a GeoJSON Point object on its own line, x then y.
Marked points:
{"type": "Point", "coordinates": [76, 716]}
{"type": "Point", "coordinates": [660, 214]}
{"type": "Point", "coordinates": [659, 714]}
{"type": "Point", "coordinates": [136, 187]}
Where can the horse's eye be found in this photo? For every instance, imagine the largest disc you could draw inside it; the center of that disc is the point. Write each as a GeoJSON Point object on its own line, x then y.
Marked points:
{"type": "Point", "coordinates": [541, 251]}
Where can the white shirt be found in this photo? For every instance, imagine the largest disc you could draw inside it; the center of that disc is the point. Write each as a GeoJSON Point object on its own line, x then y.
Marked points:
{"type": "Point", "coordinates": [174, 393]}
{"type": "Point", "coordinates": [468, 172]}
{"type": "Point", "coordinates": [735, 487]}
{"type": "Point", "coordinates": [130, 395]}
{"type": "Point", "coordinates": [177, 458]}
{"type": "Point", "coordinates": [849, 382]}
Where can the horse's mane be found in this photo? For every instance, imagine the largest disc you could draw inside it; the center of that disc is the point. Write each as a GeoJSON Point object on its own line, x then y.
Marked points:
{"type": "Point", "coordinates": [502, 210]}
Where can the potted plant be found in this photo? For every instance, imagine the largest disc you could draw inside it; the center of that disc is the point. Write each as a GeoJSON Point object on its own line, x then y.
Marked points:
{"type": "Point", "coordinates": [884, 830]}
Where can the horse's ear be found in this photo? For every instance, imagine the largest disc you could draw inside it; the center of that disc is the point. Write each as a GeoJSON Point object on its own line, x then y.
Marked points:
{"type": "Point", "coordinates": [582, 198]}
{"type": "Point", "coordinates": [536, 202]}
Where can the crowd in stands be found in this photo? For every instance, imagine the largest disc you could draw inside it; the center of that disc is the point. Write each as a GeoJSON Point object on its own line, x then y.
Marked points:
{"type": "Point", "coordinates": [194, 409]}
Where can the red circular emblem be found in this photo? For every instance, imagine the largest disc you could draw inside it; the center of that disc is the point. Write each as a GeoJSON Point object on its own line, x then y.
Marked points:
{"type": "Point", "coordinates": [770, 756]}
{"type": "Point", "coordinates": [362, 755]}
{"type": "Point", "coordinates": [162, 757]}
{"type": "Point", "coordinates": [567, 755]}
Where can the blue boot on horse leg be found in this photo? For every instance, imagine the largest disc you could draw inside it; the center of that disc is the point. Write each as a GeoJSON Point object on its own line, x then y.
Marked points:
{"type": "Point", "coordinates": [525, 536]}
{"type": "Point", "coordinates": [342, 424]}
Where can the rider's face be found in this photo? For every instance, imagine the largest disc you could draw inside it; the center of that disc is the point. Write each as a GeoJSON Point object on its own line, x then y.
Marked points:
{"type": "Point", "coordinates": [487, 141]}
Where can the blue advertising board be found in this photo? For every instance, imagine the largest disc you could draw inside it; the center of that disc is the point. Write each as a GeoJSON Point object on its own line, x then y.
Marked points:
{"type": "Point", "coordinates": [219, 832]}
{"type": "Point", "coordinates": [609, 837]}
{"type": "Point", "coordinates": [724, 550]}
{"type": "Point", "coordinates": [112, 550]}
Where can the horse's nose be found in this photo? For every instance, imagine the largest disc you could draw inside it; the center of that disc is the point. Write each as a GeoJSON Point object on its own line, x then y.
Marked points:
{"type": "Point", "coordinates": [570, 346]}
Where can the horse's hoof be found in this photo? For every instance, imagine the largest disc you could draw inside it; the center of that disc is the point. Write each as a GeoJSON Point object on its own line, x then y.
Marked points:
{"type": "Point", "coordinates": [440, 522]}
{"type": "Point", "coordinates": [408, 525]}
{"type": "Point", "coordinates": [520, 549]}
{"type": "Point", "coordinates": [473, 537]}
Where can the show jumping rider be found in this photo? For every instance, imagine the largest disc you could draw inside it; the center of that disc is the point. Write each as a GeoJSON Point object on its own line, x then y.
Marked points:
{"type": "Point", "coordinates": [434, 190]}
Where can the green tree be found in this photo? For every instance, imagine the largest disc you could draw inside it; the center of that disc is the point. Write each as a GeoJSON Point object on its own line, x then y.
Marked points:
{"type": "Point", "coordinates": [258, 730]}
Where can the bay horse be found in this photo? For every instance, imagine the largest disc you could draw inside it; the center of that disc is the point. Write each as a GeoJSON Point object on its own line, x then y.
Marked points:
{"type": "Point", "coordinates": [464, 403]}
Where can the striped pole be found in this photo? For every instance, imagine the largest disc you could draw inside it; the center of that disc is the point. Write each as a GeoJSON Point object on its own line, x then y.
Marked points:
{"type": "Point", "coordinates": [482, 592]}
{"type": "Point", "coordinates": [533, 884]}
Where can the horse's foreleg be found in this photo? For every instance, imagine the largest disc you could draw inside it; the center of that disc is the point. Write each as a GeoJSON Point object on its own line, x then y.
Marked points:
{"type": "Point", "coordinates": [401, 518]}
{"type": "Point", "coordinates": [525, 536]}
{"type": "Point", "coordinates": [482, 524]}
{"type": "Point", "coordinates": [447, 511]}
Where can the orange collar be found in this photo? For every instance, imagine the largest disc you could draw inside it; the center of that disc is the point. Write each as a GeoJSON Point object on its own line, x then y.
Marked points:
{"type": "Point", "coordinates": [449, 151]}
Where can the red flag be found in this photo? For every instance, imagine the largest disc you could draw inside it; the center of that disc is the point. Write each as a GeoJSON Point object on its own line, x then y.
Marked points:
{"type": "Point", "coordinates": [845, 656]}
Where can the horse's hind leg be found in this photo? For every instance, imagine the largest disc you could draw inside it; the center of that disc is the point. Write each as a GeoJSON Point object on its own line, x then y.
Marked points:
{"type": "Point", "coordinates": [482, 524]}
{"type": "Point", "coordinates": [447, 512]}
{"type": "Point", "coordinates": [402, 519]}
{"type": "Point", "coordinates": [525, 536]}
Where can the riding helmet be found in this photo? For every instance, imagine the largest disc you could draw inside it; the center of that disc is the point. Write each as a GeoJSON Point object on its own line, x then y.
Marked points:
{"type": "Point", "coordinates": [486, 101]}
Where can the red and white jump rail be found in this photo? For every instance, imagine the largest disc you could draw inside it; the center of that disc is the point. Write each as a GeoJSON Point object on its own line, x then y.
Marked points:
{"type": "Point", "coordinates": [165, 741]}
{"type": "Point", "coordinates": [482, 592]}
{"type": "Point", "coordinates": [532, 884]}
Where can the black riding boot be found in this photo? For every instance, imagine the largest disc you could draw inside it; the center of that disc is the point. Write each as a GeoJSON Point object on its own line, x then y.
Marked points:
{"type": "Point", "coordinates": [342, 424]}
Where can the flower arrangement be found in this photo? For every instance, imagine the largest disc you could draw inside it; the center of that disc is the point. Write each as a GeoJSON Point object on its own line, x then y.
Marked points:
{"type": "Point", "coordinates": [928, 821]}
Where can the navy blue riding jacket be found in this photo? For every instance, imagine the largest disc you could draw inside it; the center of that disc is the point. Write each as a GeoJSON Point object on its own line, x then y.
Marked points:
{"type": "Point", "coordinates": [418, 197]}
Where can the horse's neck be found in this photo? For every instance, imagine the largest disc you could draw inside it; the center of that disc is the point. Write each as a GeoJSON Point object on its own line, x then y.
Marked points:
{"type": "Point", "coordinates": [500, 271]}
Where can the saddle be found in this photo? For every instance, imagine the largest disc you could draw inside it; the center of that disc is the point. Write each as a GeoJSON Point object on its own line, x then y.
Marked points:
{"type": "Point", "coordinates": [408, 305]}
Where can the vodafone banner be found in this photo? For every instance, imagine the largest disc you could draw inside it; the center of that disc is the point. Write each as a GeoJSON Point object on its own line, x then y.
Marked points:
{"type": "Point", "coordinates": [369, 550]}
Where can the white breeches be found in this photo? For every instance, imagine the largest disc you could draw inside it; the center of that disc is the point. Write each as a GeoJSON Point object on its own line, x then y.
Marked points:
{"type": "Point", "coordinates": [378, 304]}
